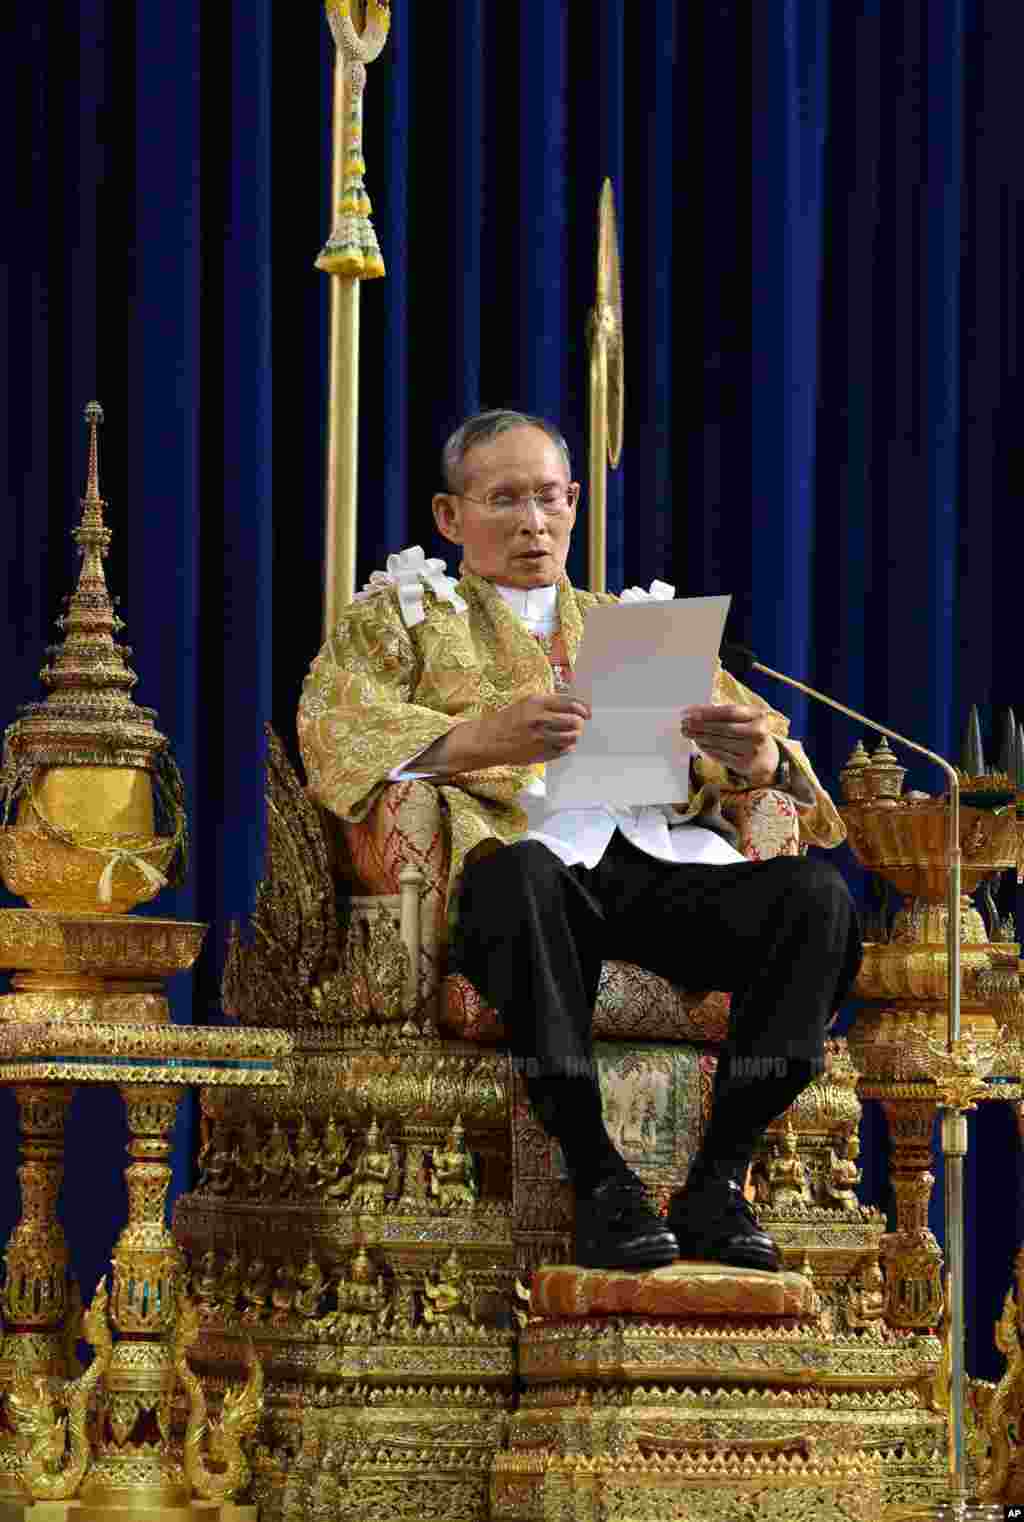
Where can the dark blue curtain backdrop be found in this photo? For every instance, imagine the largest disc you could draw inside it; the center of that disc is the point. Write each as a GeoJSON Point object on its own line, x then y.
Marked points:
{"type": "Point", "coordinates": [821, 208]}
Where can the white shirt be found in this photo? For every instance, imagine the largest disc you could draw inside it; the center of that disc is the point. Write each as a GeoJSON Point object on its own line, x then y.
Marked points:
{"type": "Point", "coordinates": [581, 836]}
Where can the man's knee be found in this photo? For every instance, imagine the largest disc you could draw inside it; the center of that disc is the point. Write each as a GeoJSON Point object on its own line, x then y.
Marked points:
{"type": "Point", "coordinates": [526, 868]}
{"type": "Point", "coordinates": [526, 859]}
{"type": "Point", "coordinates": [821, 888]}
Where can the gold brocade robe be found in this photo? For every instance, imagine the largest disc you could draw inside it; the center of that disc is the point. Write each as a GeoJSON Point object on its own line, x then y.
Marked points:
{"type": "Point", "coordinates": [379, 693]}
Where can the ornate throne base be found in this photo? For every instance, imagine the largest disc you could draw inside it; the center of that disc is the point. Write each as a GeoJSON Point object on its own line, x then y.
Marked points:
{"type": "Point", "coordinates": [372, 1230]}
{"type": "Point", "coordinates": [697, 1392]}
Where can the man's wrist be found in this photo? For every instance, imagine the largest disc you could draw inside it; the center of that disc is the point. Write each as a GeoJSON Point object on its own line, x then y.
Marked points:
{"type": "Point", "coordinates": [460, 750]}
{"type": "Point", "coordinates": [778, 777]}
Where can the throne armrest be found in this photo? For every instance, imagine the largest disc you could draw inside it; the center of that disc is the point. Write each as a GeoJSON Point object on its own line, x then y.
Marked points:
{"type": "Point", "coordinates": [405, 828]}
{"type": "Point", "coordinates": [767, 820]}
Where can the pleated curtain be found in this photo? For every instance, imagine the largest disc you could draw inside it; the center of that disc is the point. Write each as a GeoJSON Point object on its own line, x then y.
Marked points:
{"type": "Point", "coordinates": [820, 209]}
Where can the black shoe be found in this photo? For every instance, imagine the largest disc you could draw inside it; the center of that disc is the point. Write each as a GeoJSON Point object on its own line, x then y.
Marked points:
{"type": "Point", "coordinates": [618, 1228]}
{"type": "Point", "coordinates": [712, 1220]}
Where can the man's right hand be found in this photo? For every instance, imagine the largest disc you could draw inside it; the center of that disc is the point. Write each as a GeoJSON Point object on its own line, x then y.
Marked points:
{"type": "Point", "coordinates": [539, 728]}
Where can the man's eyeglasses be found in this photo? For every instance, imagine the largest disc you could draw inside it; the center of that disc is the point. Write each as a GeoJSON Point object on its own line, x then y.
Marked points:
{"type": "Point", "coordinates": [554, 501]}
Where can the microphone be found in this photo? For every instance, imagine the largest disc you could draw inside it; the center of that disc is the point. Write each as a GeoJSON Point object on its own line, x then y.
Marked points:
{"type": "Point", "coordinates": [739, 661]}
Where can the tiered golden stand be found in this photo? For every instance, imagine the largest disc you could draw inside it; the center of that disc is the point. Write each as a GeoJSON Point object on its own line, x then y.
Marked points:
{"type": "Point", "coordinates": [86, 785]}
{"type": "Point", "coordinates": [902, 1044]}
{"type": "Point", "coordinates": [122, 1460]}
{"type": "Point", "coordinates": [898, 1040]}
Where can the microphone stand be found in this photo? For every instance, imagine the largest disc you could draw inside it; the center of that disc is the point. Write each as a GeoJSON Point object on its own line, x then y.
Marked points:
{"type": "Point", "coordinates": [954, 1120]}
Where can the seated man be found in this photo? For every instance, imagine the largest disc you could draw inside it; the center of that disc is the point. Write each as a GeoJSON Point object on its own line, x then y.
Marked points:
{"type": "Point", "coordinates": [465, 684]}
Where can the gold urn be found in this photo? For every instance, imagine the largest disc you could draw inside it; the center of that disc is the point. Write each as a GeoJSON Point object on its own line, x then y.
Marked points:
{"type": "Point", "coordinates": [91, 799]}
{"type": "Point", "coordinates": [904, 840]}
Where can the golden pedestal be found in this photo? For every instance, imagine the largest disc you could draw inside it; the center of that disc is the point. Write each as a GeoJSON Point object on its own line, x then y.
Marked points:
{"type": "Point", "coordinates": [657, 1392]}
{"type": "Point", "coordinates": [88, 1006]}
{"type": "Point", "coordinates": [898, 1040]}
{"type": "Point", "coordinates": [92, 823]}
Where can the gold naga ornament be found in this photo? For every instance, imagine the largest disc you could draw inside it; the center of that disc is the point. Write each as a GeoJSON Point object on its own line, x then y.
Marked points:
{"type": "Point", "coordinates": [352, 248]}
{"type": "Point", "coordinates": [240, 1418]}
{"type": "Point", "coordinates": [33, 1408]}
{"type": "Point", "coordinates": [91, 800]}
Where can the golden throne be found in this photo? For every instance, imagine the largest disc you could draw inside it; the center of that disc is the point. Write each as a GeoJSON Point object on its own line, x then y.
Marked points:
{"type": "Point", "coordinates": [373, 1232]}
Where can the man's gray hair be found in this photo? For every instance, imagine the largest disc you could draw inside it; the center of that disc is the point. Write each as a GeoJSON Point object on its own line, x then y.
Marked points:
{"type": "Point", "coordinates": [481, 429]}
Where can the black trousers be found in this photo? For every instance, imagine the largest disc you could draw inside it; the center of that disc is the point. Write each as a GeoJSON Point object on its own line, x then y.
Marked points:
{"type": "Point", "coordinates": [781, 936]}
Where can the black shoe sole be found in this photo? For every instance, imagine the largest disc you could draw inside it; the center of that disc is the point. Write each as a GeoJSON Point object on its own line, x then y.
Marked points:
{"type": "Point", "coordinates": [733, 1256]}
{"type": "Point", "coordinates": [654, 1256]}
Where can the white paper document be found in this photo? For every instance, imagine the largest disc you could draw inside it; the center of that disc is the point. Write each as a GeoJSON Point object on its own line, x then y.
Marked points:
{"type": "Point", "coordinates": [638, 664]}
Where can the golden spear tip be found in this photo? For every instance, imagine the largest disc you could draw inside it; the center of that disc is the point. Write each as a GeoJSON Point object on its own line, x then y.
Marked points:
{"type": "Point", "coordinates": [608, 314]}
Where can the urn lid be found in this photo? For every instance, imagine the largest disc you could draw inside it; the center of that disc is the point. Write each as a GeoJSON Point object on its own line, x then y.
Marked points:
{"type": "Point", "coordinates": [88, 717]}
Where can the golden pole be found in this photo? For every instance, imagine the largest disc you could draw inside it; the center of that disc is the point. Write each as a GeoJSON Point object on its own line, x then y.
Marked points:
{"type": "Point", "coordinates": [341, 474]}
{"type": "Point", "coordinates": [604, 339]}
{"type": "Point", "coordinates": [350, 256]}
{"type": "Point", "coordinates": [597, 496]}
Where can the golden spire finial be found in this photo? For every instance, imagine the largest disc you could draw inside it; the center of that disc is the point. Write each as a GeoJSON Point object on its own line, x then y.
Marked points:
{"type": "Point", "coordinates": [93, 539]}
{"type": "Point", "coordinates": [93, 418]}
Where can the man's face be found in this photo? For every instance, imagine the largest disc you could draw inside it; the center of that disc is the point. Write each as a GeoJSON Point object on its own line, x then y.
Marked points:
{"type": "Point", "coordinates": [518, 546]}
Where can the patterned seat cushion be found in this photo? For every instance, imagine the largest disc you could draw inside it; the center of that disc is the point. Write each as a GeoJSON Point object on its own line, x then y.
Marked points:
{"type": "Point", "coordinates": [696, 1291]}
{"type": "Point", "coordinates": [631, 1004]}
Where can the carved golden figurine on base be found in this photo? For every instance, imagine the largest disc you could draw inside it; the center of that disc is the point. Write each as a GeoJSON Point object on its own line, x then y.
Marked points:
{"type": "Point", "coordinates": [842, 1175]}
{"type": "Point", "coordinates": [256, 1290]}
{"type": "Point", "coordinates": [308, 1156]}
{"type": "Point", "coordinates": [448, 1305]}
{"type": "Point", "coordinates": [206, 1287]}
{"type": "Point", "coordinates": [452, 1174]}
{"type": "Point", "coordinates": [275, 1165]}
{"type": "Point", "coordinates": [787, 1176]}
{"type": "Point", "coordinates": [217, 1162]}
{"type": "Point", "coordinates": [866, 1306]}
{"type": "Point", "coordinates": [363, 1301]}
{"type": "Point", "coordinates": [310, 1287]}
{"type": "Point", "coordinates": [334, 1151]}
{"type": "Point", "coordinates": [282, 1295]}
{"type": "Point", "coordinates": [371, 1173]}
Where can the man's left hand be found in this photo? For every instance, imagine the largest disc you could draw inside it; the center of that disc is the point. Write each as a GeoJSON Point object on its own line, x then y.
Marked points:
{"type": "Point", "coordinates": [737, 735]}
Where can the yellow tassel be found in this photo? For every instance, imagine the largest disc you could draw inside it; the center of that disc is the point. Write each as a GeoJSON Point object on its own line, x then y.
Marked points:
{"type": "Point", "coordinates": [350, 264]}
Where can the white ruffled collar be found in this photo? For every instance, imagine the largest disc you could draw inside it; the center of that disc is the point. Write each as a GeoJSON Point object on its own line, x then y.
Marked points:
{"type": "Point", "coordinates": [410, 571]}
{"type": "Point", "coordinates": [536, 606]}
